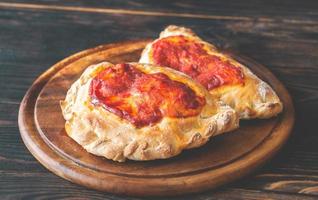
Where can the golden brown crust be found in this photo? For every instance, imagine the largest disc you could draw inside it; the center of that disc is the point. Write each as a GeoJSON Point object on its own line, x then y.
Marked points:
{"type": "Point", "coordinates": [254, 99]}
{"type": "Point", "coordinates": [105, 134]}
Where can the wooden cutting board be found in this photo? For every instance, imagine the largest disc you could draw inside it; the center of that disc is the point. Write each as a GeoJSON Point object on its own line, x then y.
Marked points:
{"type": "Point", "coordinates": [224, 159]}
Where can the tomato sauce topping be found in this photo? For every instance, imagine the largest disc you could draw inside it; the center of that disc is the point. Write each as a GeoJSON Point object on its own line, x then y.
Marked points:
{"type": "Point", "coordinates": [143, 99]}
{"type": "Point", "coordinates": [190, 57]}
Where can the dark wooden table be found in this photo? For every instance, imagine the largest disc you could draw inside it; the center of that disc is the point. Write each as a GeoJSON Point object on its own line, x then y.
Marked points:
{"type": "Point", "coordinates": [282, 35]}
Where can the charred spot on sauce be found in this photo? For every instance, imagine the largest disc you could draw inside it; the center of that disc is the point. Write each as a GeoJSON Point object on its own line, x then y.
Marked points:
{"type": "Point", "coordinates": [143, 99]}
{"type": "Point", "coordinates": [186, 55]}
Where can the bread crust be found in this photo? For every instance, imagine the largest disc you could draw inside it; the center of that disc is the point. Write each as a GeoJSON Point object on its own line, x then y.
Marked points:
{"type": "Point", "coordinates": [105, 134]}
{"type": "Point", "coordinates": [254, 99]}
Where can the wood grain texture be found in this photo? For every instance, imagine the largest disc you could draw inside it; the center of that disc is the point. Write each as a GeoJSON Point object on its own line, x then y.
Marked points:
{"type": "Point", "coordinates": [32, 40]}
{"type": "Point", "coordinates": [233, 10]}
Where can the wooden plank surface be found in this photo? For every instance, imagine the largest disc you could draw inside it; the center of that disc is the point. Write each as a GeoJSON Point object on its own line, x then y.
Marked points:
{"type": "Point", "coordinates": [250, 8]}
{"type": "Point", "coordinates": [32, 39]}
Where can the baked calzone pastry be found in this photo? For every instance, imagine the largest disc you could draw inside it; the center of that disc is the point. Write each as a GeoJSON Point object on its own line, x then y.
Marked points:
{"type": "Point", "coordinates": [142, 112]}
{"type": "Point", "coordinates": [225, 78]}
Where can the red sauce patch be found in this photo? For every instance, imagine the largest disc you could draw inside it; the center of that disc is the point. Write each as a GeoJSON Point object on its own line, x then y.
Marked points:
{"type": "Point", "coordinates": [142, 98]}
{"type": "Point", "coordinates": [185, 55]}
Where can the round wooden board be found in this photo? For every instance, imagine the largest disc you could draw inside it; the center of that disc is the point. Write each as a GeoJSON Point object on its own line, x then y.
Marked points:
{"type": "Point", "coordinates": [224, 159]}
